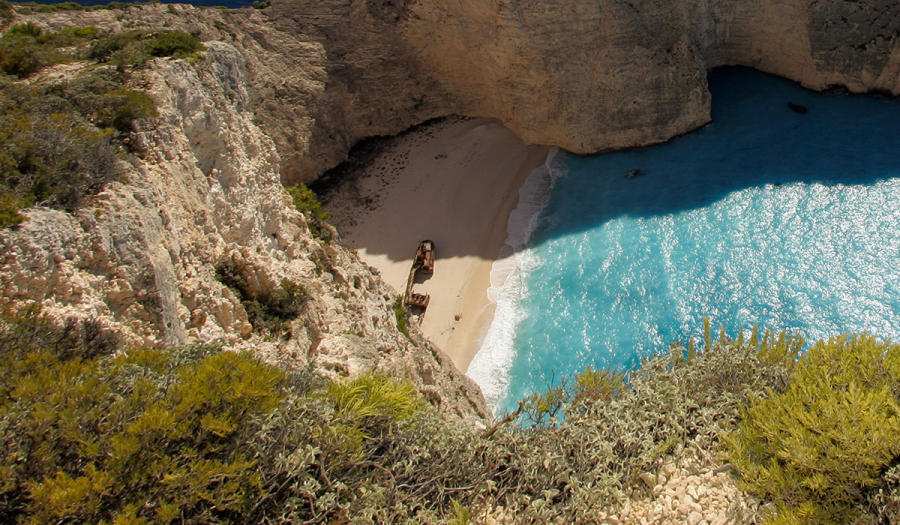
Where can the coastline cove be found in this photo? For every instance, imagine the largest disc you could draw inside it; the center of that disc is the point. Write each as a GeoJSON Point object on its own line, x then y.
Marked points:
{"type": "Point", "coordinates": [767, 215]}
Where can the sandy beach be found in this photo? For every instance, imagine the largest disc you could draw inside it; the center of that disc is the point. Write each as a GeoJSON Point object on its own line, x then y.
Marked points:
{"type": "Point", "coordinates": [454, 182]}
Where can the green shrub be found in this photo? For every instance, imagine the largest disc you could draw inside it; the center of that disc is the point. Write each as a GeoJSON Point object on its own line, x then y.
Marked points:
{"type": "Point", "coordinates": [172, 44]}
{"type": "Point", "coordinates": [401, 314]}
{"type": "Point", "coordinates": [103, 48]}
{"type": "Point", "coordinates": [26, 49]}
{"type": "Point", "coordinates": [883, 504]}
{"type": "Point", "coordinates": [136, 47]}
{"type": "Point", "coordinates": [87, 33]}
{"type": "Point", "coordinates": [51, 150]}
{"type": "Point", "coordinates": [62, 6]}
{"type": "Point", "coordinates": [6, 12]}
{"type": "Point", "coordinates": [369, 407]}
{"type": "Point", "coordinates": [818, 448]}
{"type": "Point", "coordinates": [9, 209]}
{"type": "Point", "coordinates": [48, 156]}
{"type": "Point", "coordinates": [23, 57]}
{"type": "Point", "coordinates": [267, 310]}
{"type": "Point", "coordinates": [196, 435]}
{"type": "Point", "coordinates": [374, 397]}
{"type": "Point", "coordinates": [136, 438]}
{"type": "Point", "coordinates": [68, 37]}
{"type": "Point", "coordinates": [28, 29]}
{"type": "Point", "coordinates": [28, 330]}
{"type": "Point", "coordinates": [54, 8]}
{"type": "Point", "coordinates": [122, 107]}
{"type": "Point", "coordinates": [286, 300]}
{"type": "Point", "coordinates": [541, 409]}
{"type": "Point", "coordinates": [306, 202]}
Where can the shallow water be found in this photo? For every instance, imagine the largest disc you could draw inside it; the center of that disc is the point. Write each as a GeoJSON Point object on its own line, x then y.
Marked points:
{"type": "Point", "coordinates": [765, 216]}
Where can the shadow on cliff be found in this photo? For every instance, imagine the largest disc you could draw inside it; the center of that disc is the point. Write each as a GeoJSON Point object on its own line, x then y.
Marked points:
{"type": "Point", "coordinates": [755, 141]}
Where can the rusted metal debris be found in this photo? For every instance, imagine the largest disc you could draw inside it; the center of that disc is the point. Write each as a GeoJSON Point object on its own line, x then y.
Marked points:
{"type": "Point", "coordinates": [424, 261]}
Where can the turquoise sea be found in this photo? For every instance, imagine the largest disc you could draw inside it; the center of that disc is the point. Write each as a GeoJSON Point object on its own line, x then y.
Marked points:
{"type": "Point", "coordinates": [765, 216]}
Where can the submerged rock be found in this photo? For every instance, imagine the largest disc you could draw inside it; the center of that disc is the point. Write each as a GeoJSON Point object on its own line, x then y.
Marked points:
{"type": "Point", "coordinates": [797, 108]}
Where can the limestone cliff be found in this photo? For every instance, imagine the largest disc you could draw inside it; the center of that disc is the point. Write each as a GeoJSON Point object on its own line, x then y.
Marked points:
{"type": "Point", "coordinates": [586, 76]}
{"type": "Point", "coordinates": [202, 187]}
{"type": "Point", "coordinates": [284, 93]}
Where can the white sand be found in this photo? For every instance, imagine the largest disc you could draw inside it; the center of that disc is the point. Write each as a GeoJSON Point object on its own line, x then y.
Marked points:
{"type": "Point", "coordinates": [454, 182]}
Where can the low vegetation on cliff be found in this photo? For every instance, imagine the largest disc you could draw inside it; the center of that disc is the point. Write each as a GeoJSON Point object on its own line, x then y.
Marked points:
{"type": "Point", "coordinates": [196, 434]}
{"type": "Point", "coordinates": [62, 140]}
{"type": "Point", "coordinates": [308, 204]}
{"type": "Point", "coordinates": [269, 311]}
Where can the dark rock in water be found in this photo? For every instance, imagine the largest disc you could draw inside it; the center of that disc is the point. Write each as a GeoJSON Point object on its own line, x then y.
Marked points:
{"type": "Point", "coordinates": [632, 174]}
{"type": "Point", "coordinates": [797, 108]}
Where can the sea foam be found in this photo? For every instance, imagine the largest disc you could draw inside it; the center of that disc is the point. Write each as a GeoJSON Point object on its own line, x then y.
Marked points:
{"type": "Point", "coordinates": [768, 216]}
{"type": "Point", "coordinates": [491, 365]}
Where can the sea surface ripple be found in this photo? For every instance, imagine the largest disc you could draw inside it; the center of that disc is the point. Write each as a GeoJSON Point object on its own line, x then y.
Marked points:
{"type": "Point", "coordinates": [766, 216]}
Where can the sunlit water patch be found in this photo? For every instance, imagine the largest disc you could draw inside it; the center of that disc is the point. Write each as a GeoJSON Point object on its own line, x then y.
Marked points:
{"type": "Point", "coordinates": [766, 216]}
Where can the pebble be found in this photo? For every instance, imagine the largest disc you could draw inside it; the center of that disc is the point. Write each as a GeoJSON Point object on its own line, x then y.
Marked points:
{"type": "Point", "coordinates": [688, 492]}
{"type": "Point", "coordinates": [648, 479]}
{"type": "Point", "coordinates": [684, 492]}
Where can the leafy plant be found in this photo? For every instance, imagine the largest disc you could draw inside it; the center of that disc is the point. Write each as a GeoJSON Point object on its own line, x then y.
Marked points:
{"type": "Point", "coordinates": [123, 107]}
{"type": "Point", "coordinates": [134, 48]}
{"type": "Point", "coordinates": [58, 142]}
{"type": "Point", "coordinates": [27, 29]}
{"type": "Point", "coordinates": [172, 44]}
{"type": "Point", "coordinates": [370, 407]}
{"type": "Point", "coordinates": [401, 314]}
{"type": "Point", "coordinates": [9, 209]}
{"type": "Point", "coordinates": [270, 310]}
{"type": "Point", "coordinates": [306, 202]}
{"type": "Point", "coordinates": [22, 57]}
{"type": "Point", "coordinates": [134, 438]}
{"type": "Point", "coordinates": [198, 435]}
{"type": "Point", "coordinates": [48, 153]}
{"type": "Point", "coordinates": [819, 447]}
{"type": "Point", "coordinates": [25, 48]}
{"type": "Point", "coordinates": [541, 409]}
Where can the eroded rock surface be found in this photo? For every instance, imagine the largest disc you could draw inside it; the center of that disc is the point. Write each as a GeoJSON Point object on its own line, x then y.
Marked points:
{"type": "Point", "coordinates": [585, 76]}
{"type": "Point", "coordinates": [203, 189]}
{"type": "Point", "coordinates": [283, 94]}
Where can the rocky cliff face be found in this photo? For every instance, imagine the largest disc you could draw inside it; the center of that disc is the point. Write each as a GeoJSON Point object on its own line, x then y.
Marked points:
{"type": "Point", "coordinates": [203, 189]}
{"type": "Point", "coordinates": [586, 76]}
{"type": "Point", "coordinates": [283, 94]}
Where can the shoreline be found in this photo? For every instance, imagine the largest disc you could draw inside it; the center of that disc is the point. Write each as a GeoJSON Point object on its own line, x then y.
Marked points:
{"type": "Point", "coordinates": [455, 182]}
